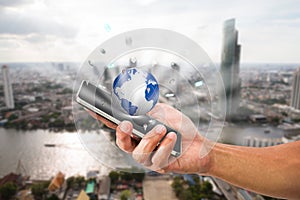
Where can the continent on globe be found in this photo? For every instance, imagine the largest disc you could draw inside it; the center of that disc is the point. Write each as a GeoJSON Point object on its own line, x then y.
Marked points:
{"type": "Point", "coordinates": [137, 91]}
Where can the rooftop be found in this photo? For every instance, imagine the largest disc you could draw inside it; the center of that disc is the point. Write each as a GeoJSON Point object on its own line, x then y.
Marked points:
{"type": "Point", "coordinates": [90, 187]}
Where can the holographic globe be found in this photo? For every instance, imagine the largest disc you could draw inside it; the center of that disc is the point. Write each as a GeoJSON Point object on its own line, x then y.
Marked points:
{"type": "Point", "coordinates": [136, 91]}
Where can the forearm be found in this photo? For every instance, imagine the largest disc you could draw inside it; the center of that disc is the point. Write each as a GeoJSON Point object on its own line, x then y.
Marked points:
{"type": "Point", "coordinates": [272, 171]}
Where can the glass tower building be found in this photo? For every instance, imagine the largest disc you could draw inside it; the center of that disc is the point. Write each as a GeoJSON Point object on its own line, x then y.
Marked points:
{"type": "Point", "coordinates": [8, 92]}
{"type": "Point", "coordinates": [295, 97]}
{"type": "Point", "coordinates": [230, 67]}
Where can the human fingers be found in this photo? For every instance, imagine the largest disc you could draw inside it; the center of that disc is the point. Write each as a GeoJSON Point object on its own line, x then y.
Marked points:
{"type": "Point", "coordinates": [174, 119]}
{"type": "Point", "coordinates": [149, 142]}
{"type": "Point", "coordinates": [167, 115]}
{"type": "Point", "coordinates": [160, 159]}
{"type": "Point", "coordinates": [102, 119]}
{"type": "Point", "coordinates": [124, 139]}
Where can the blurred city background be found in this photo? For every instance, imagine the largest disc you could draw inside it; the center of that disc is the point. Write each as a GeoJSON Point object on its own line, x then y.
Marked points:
{"type": "Point", "coordinates": [41, 157]}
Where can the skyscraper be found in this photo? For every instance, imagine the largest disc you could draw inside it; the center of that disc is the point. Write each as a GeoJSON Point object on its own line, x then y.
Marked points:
{"type": "Point", "coordinates": [8, 92]}
{"type": "Point", "coordinates": [295, 97]}
{"type": "Point", "coordinates": [230, 67]}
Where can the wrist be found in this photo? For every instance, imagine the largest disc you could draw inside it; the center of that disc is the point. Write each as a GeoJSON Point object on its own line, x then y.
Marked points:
{"type": "Point", "coordinates": [211, 165]}
{"type": "Point", "coordinates": [206, 157]}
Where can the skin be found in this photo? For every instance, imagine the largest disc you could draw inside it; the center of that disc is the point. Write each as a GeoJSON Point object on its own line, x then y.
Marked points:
{"type": "Point", "coordinates": [272, 171]}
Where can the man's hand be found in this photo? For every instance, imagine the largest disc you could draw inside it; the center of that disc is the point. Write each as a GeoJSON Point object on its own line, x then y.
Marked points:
{"type": "Point", "coordinates": [158, 158]}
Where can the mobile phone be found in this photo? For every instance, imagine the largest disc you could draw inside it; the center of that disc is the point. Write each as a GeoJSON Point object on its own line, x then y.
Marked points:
{"type": "Point", "coordinates": [99, 101]}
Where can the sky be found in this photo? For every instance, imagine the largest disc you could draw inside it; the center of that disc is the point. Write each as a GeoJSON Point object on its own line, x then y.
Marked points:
{"type": "Point", "coordinates": [69, 30]}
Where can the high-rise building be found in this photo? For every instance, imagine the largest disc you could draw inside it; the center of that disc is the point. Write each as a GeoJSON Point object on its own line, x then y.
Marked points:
{"type": "Point", "coordinates": [295, 97]}
{"type": "Point", "coordinates": [8, 92]}
{"type": "Point", "coordinates": [230, 67]}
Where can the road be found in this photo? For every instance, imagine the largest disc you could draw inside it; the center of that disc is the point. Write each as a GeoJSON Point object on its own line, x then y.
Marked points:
{"type": "Point", "coordinates": [226, 189]}
{"type": "Point", "coordinates": [158, 187]}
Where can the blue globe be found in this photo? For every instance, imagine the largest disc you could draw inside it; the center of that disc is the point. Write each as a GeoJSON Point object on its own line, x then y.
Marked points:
{"type": "Point", "coordinates": [136, 91]}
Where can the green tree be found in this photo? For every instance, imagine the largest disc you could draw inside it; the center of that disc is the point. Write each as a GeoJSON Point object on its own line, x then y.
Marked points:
{"type": "Point", "coordinates": [186, 195]}
{"type": "Point", "coordinates": [114, 176]}
{"type": "Point", "coordinates": [57, 123]}
{"type": "Point", "coordinates": [275, 120]}
{"type": "Point", "coordinates": [197, 191]}
{"type": "Point", "coordinates": [296, 120]}
{"type": "Point", "coordinates": [53, 197]}
{"type": "Point", "coordinates": [126, 176]}
{"type": "Point", "coordinates": [139, 177]}
{"type": "Point", "coordinates": [58, 104]}
{"type": "Point", "coordinates": [206, 187]}
{"type": "Point", "coordinates": [125, 194]}
{"type": "Point", "coordinates": [177, 186]}
{"type": "Point", "coordinates": [12, 117]}
{"type": "Point", "coordinates": [206, 190]}
{"type": "Point", "coordinates": [66, 91]}
{"type": "Point", "coordinates": [79, 180]}
{"type": "Point", "coordinates": [39, 190]}
{"type": "Point", "coordinates": [70, 182]}
{"type": "Point", "coordinates": [8, 190]}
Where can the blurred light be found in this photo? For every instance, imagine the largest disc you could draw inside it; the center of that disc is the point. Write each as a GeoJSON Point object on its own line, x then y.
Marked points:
{"type": "Point", "coordinates": [198, 83]}
{"type": "Point", "coordinates": [170, 95]}
{"type": "Point", "coordinates": [111, 65]}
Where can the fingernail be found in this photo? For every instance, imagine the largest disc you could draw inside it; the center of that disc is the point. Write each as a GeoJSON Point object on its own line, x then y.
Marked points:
{"type": "Point", "coordinates": [160, 152]}
{"type": "Point", "coordinates": [160, 129]}
{"type": "Point", "coordinates": [125, 126]}
{"type": "Point", "coordinates": [172, 136]}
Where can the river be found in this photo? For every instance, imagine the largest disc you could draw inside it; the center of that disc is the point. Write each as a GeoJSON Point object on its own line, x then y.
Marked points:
{"type": "Point", "coordinates": [69, 155]}
{"type": "Point", "coordinates": [40, 162]}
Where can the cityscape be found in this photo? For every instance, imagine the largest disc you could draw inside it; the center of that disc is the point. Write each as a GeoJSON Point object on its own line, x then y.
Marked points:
{"type": "Point", "coordinates": [262, 99]}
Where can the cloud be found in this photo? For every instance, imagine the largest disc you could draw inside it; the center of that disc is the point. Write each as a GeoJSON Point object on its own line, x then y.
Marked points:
{"type": "Point", "coordinates": [16, 23]}
{"type": "Point", "coordinates": [13, 3]}
{"type": "Point", "coordinates": [145, 2]}
{"type": "Point", "coordinates": [8, 44]}
{"type": "Point", "coordinates": [71, 29]}
{"type": "Point", "coordinates": [35, 38]}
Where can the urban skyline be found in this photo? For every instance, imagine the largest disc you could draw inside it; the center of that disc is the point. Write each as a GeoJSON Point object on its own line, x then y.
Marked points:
{"type": "Point", "coordinates": [278, 83]}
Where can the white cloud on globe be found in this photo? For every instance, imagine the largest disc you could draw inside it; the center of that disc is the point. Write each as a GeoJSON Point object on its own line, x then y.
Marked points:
{"type": "Point", "coordinates": [131, 88]}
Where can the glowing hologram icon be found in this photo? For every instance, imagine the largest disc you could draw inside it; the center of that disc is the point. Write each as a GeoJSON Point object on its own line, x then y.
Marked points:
{"type": "Point", "coordinates": [187, 79]}
{"type": "Point", "coordinates": [128, 41]}
{"type": "Point", "coordinates": [102, 51]}
{"type": "Point", "coordinates": [107, 27]}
